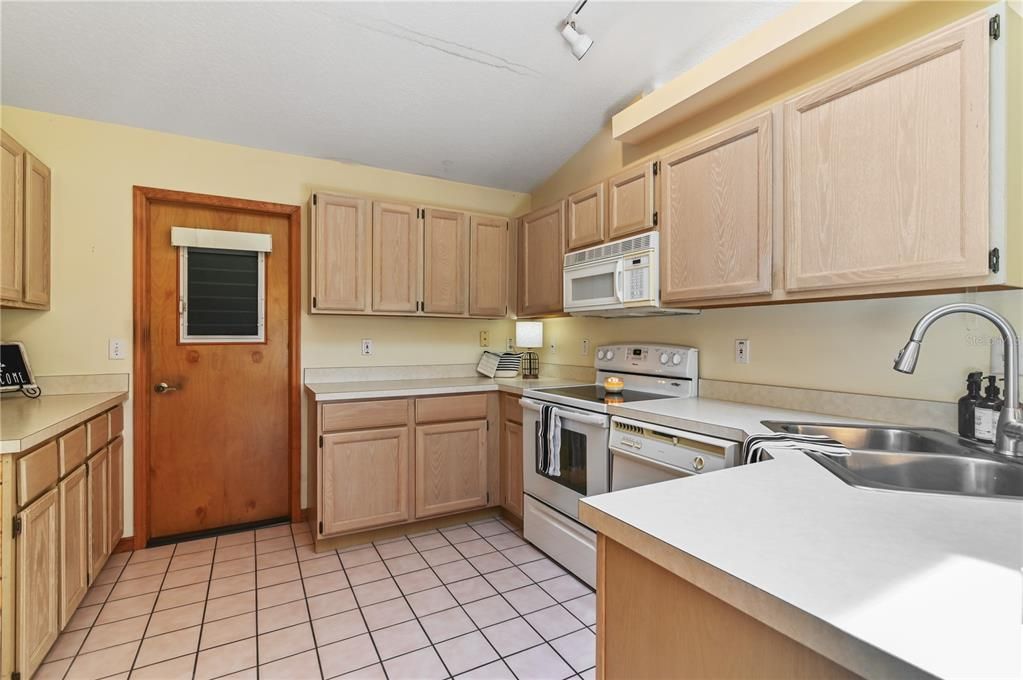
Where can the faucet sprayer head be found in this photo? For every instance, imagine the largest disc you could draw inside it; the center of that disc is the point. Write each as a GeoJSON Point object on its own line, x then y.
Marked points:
{"type": "Point", "coordinates": [905, 362]}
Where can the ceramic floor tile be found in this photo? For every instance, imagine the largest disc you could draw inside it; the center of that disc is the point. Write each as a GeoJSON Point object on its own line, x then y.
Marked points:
{"type": "Point", "coordinates": [127, 608]}
{"type": "Point", "coordinates": [83, 617]}
{"type": "Point", "coordinates": [447, 624]}
{"type": "Point", "coordinates": [240, 538]}
{"type": "Point", "coordinates": [429, 541]}
{"type": "Point", "coordinates": [423, 664]}
{"type": "Point", "coordinates": [233, 567]}
{"type": "Point", "coordinates": [529, 599]}
{"type": "Point", "coordinates": [427, 602]}
{"type": "Point", "coordinates": [282, 616]}
{"type": "Point", "coordinates": [279, 594]}
{"type": "Point", "coordinates": [494, 561]}
{"type": "Point", "coordinates": [505, 541]}
{"type": "Point", "coordinates": [331, 603]}
{"type": "Point", "coordinates": [115, 633]}
{"type": "Point", "coordinates": [54, 670]}
{"type": "Point", "coordinates": [141, 569]}
{"type": "Point", "coordinates": [512, 636]}
{"type": "Point", "coordinates": [489, 528]}
{"type": "Point", "coordinates": [565, 587]}
{"type": "Point", "coordinates": [507, 579]}
{"type": "Point", "coordinates": [321, 565]}
{"type": "Point", "coordinates": [199, 545]}
{"type": "Point", "coordinates": [374, 672]}
{"type": "Point", "coordinates": [347, 655]}
{"type": "Point", "coordinates": [175, 669]}
{"type": "Point", "coordinates": [399, 639]}
{"type": "Point", "coordinates": [196, 559]}
{"type": "Point", "coordinates": [367, 573]}
{"type": "Point", "coordinates": [274, 544]}
{"type": "Point", "coordinates": [397, 548]}
{"type": "Point", "coordinates": [233, 552]}
{"type": "Point", "coordinates": [244, 674]}
{"type": "Point", "coordinates": [276, 559]}
{"type": "Point", "coordinates": [539, 663]}
{"type": "Point", "coordinates": [304, 666]}
{"type": "Point", "coordinates": [231, 629]}
{"type": "Point", "coordinates": [151, 554]}
{"type": "Point", "coordinates": [338, 627]}
{"type": "Point", "coordinates": [474, 547]}
{"type": "Point", "coordinates": [460, 534]}
{"type": "Point", "coordinates": [307, 552]}
{"type": "Point", "coordinates": [109, 575]}
{"type": "Point", "coordinates": [377, 591]}
{"type": "Point", "coordinates": [273, 532]}
{"type": "Point", "coordinates": [359, 557]}
{"type": "Point", "coordinates": [176, 597]}
{"type": "Point", "coordinates": [104, 662]}
{"type": "Point", "coordinates": [553, 622]}
{"type": "Point", "coordinates": [275, 575]}
{"type": "Point", "coordinates": [584, 608]}
{"type": "Point", "coordinates": [405, 564]}
{"type": "Point", "coordinates": [285, 642]}
{"type": "Point", "coordinates": [578, 648]}
{"type": "Point", "coordinates": [387, 613]}
{"type": "Point", "coordinates": [414, 581]}
{"type": "Point", "coordinates": [168, 646]}
{"type": "Point", "coordinates": [175, 619]}
{"type": "Point", "coordinates": [466, 652]}
{"type": "Point", "coordinates": [523, 554]}
{"type": "Point", "coordinates": [324, 583]}
{"type": "Point", "coordinates": [590, 674]}
{"type": "Point", "coordinates": [67, 645]}
{"type": "Point", "coordinates": [496, 670]}
{"type": "Point", "coordinates": [97, 594]}
{"type": "Point", "coordinates": [441, 555]}
{"type": "Point", "coordinates": [541, 570]}
{"type": "Point", "coordinates": [471, 589]}
{"type": "Point", "coordinates": [212, 663]}
{"type": "Point", "coordinates": [490, 610]}
{"type": "Point", "coordinates": [305, 539]}
{"type": "Point", "coordinates": [455, 571]}
{"type": "Point", "coordinates": [222, 587]}
{"type": "Point", "coordinates": [186, 577]}
{"type": "Point", "coordinates": [223, 607]}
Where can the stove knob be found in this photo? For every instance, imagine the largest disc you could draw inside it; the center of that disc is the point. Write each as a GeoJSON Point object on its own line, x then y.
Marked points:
{"type": "Point", "coordinates": [609, 355]}
{"type": "Point", "coordinates": [698, 463]}
{"type": "Point", "coordinates": [676, 359]}
{"type": "Point", "coordinates": [600, 354]}
{"type": "Point", "coordinates": [664, 358]}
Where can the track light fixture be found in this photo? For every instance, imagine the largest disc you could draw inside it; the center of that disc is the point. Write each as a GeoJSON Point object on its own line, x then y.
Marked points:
{"type": "Point", "coordinates": [576, 39]}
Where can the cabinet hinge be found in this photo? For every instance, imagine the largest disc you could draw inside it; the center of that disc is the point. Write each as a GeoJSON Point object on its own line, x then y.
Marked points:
{"type": "Point", "coordinates": [321, 528]}
{"type": "Point", "coordinates": [655, 218]}
{"type": "Point", "coordinates": [657, 167]}
{"type": "Point", "coordinates": [314, 302]}
{"type": "Point", "coordinates": [314, 199]}
{"type": "Point", "coordinates": [994, 27]}
{"type": "Point", "coordinates": [16, 529]}
{"type": "Point", "coordinates": [321, 441]}
{"type": "Point", "coordinates": [994, 260]}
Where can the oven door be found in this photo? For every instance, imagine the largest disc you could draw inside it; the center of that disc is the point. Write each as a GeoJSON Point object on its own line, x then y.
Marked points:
{"type": "Point", "coordinates": [583, 457]}
{"type": "Point", "coordinates": [595, 285]}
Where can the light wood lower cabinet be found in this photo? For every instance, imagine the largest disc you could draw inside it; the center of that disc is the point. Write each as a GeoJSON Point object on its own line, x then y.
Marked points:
{"type": "Point", "coordinates": [38, 575]}
{"type": "Point", "coordinates": [99, 511]}
{"type": "Point", "coordinates": [511, 467]}
{"type": "Point", "coordinates": [74, 529]}
{"type": "Point", "coordinates": [115, 489]}
{"type": "Point", "coordinates": [451, 467]}
{"type": "Point", "coordinates": [364, 478]}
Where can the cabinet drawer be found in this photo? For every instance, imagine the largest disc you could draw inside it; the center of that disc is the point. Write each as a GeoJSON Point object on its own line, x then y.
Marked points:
{"type": "Point", "coordinates": [510, 408]}
{"type": "Point", "coordinates": [99, 432]}
{"type": "Point", "coordinates": [460, 407]}
{"type": "Point", "coordinates": [72, 448]}
{"type": "Point", "coordinates": [360, 415]}
{"type": "Point", "coordinates": [36, 472]}
{"type": "Point", "coordinates": [116, 421]}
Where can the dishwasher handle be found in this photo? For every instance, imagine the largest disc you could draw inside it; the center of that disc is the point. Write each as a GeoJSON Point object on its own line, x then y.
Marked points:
{"type": "Point", "coordinates": [585, 419]}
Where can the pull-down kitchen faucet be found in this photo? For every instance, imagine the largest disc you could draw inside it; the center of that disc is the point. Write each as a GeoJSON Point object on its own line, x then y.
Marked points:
{"type": "Point", "coordinates": [1009, 435]}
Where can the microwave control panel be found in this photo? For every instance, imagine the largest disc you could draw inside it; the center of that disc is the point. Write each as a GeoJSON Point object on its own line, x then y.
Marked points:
{"type": "Point", "coordinates": [637, 278]}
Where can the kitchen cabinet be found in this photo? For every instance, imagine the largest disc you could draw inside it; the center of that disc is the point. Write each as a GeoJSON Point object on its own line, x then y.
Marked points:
{"type": "Point", "coordinates": [445, 262]}
{"type": "Point", "coordinates": [115, 489]}
{"type": "Point", "coordinates": [99, 510]}
{"type": "Point", "coordinates": [74, 532]}
{"type": "Point", "coordinates": [585, 219]}
{"type": "Point", "coordinates": [364, 479]}
{"type": "Point", "coordinates": [396, 257]}
{"type": "Point", "coordinates": [24, 227]}
{"type": "Point", "coordinates": [886, 167]}
{"type": "Point", "coordinates": [488, 266]}
{"type": "Point", "coordinates": [451, 467]}
{"type": "Point", "coordinates": [511, 468]}
{"type": "Point", "coordinates": [716, 233]}
{"type": "Point", "coordinates": [631, 201]}
{"type": "Point", "coordinates": [38, 573]}
{"type": "Point", "coordinates": [541, 262]}
{"type": "Point", "coordinates": [341, 250]}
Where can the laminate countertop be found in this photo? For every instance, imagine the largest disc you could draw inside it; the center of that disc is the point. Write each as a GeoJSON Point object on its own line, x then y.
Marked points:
{"type": "Point", "coordinates": [887, 584]}
{"type": "Point", "coordinates": [26, 423]}
{"type": "Point", "coordinates": [382, 389]}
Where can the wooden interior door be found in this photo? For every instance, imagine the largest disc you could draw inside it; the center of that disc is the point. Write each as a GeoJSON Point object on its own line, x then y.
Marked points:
{"type": "Point", "coordinates": [540, 263]}
{"type": "Point", "coordinates": [12, 217]}
{"type": "Point", "coordinates": [37, 574]}
{"type": "Point", "coordinates": [364, 477]}
{"type": "Point", "coordinates": [396, 236]}
{"type": "Point", "coordinates": [488, 266]}
{"type": "Point", "coordinates": [74, 534]}
{"type": "Point", "coordinates": [717, 226]}
{"type": "Point", "coordinates": [585, 221]}
{"type": "Point", "coordinates": [445, 261]}
{"type": "Point", "coordinates": [340, 254]}
{"type": "Point", "coordinates": [451, 467]}
{"type": "Point", "coordinates": [219, 438]}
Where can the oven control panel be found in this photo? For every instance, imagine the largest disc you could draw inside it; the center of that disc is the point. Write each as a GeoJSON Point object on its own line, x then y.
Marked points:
{"type": "Point", "coordinates": [676, 361]}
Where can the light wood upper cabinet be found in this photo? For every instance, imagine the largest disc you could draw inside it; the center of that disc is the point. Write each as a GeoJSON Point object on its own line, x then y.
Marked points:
{"type": "Point", "coordinates": [38, 573]}
{"type": "Point", "coordinates": [631, 201]}
{"type": "Point", "coordinates": [541, 261]}
{"type": "Point", "coordinates": [886, 167]}
{"type": "Point", "coordinates": [488, 266]}
{"type": "Point", "coordinates": [341, 254]}
{"type": "Point", "coordinates": [716, 228]}
{"type": "Point", "coordinates": [364, 479]}
{"type": "Point", "coordinates": [116, 490]}
{"type": "Point", "coordinates": [511, 466]}
{"type": "Point", "coordinates": [74, 554]}
{"type": "Point", "coordinates": [37, 232]}
{"type": "Point", "coordinates": [585, 220]}
{"type": "Point", "coordinates": [445, 261]}
{"type": "Point", "coordinates": [12, 217]}
{"type": "Point", "coordinates": [451, 467]}
{"type": "Point", "coordinates": [99, 510]}
{"type": "Point", "coordinates": [396, 257]}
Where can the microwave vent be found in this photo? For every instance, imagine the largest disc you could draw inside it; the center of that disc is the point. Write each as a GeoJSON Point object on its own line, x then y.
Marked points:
{"type": "Point", "coordinates": [646, 241]}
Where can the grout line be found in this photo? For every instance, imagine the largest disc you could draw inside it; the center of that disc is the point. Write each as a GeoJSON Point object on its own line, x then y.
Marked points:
{"type": "Point", "coordinates": [152, 609]}
{"type": "Point", "coordinates": [308, 612]}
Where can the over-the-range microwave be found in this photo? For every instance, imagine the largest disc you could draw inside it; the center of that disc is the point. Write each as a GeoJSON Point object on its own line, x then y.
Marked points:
{"type": "Point", "coordinates": [615, 279]}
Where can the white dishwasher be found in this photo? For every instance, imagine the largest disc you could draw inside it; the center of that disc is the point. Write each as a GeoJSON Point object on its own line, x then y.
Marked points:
{"type": "Point", "coordinates": [643, 453]}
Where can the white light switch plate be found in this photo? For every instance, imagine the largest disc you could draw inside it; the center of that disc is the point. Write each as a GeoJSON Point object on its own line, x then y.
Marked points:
{"type": "Point", "coordinates": [118, 349]}
{"type": "Point", "coordinates": [367, 346]}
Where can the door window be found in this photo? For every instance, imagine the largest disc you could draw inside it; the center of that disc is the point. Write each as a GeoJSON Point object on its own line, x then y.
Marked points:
{"type": "Point", "coordinates": [222, 296]}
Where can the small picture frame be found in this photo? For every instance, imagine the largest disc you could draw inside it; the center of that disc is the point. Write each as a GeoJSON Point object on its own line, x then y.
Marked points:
{"type": "Point", "coordinates": [15, 372]}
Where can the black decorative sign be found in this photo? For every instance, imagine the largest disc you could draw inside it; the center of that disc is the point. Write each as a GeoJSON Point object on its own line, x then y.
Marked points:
{"type": "Point", "coordinates": [14, 371]}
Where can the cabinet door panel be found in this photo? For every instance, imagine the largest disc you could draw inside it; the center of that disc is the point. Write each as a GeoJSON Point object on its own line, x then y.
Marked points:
{"type": "Point", "coordinates": [585, 220]}
{"type": "Point", "coordinates": [341, 253]}
{"type": "Point", "coordinates": [38, 605]}
{"type": "Point", "coordinates": [451, 467]}
{"type": "Point", "coordinates": [364, 479]}
{"type": "Point", "coordinates": [12, 217]}
{"type": "Point", "coordinates": [445, 262]}
{"type": "Point", "coordinates": [886, 167]}
{"type": "Point", "coordinates": [540, 261]}
{"type": "Point", "coordinates": [74, 542]}
{"type": "Point", "coordinates": [488, 266]}
{"type": "Point", "coordinates": [511, 450]}
{"type": "Point", "coordinates": [37, 233]}
{"type": "Point", "coordinates": [395, 258]}
{"type": "Point", "coordinates": [116, 490]}
{"type": "Point", "coordinates": [717, 226]}
{"type": "Point", "coordinates": [99, 511]}
{"type": "Point", "coordinates": [631, 201]}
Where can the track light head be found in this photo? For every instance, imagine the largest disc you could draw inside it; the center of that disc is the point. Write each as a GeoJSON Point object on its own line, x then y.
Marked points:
{"type": "Point", "coordinates": [576, 39]}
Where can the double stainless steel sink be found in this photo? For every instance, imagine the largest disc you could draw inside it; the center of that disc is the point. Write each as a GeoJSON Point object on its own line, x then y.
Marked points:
{"type": "Point", "coordinates": [914, 459]}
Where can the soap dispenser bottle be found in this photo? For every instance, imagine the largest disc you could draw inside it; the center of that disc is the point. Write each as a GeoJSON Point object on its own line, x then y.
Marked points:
{"type": "Point", "coordinates": [967, 403]}
{"type": "Point", "coordinates": [986, 412]}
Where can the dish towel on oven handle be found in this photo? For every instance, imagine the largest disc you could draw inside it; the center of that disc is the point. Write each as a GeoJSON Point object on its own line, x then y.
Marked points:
{"type": "Point", "coordinates": [754, 449]}
{"type": "Point", "coordinates": [548, 445]}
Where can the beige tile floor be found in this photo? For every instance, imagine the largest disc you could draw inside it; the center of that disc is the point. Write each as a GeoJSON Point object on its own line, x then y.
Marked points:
{"type": "Point", "coordinates": [468, 601]}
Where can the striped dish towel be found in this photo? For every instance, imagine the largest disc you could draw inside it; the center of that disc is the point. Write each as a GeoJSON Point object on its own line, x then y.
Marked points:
{"type": "Point", "coordinates": [754, 449]}
{"type": "Point", "coordinates": [548, 442]}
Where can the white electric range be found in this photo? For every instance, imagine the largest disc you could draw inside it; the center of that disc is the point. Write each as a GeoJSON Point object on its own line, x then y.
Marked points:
{"type": "Point", "coordinates": [551, 512]}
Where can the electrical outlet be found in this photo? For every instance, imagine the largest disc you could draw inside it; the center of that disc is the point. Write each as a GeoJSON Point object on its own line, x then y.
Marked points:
{"type": "Point", "coordinates": [510, 345]}
{"type": "Point", "coordinates": [553, 348]}
{"type": "Point", "coordinates": [586, 347]}
{"type": "Point", "coordinates": [117, 349]}
{"type": "Point", "coordinates": [742, 348]}
{"type": "Point", "coordinates": [367, 346]}
{"type": "Point", "coordinates": [484, 338]}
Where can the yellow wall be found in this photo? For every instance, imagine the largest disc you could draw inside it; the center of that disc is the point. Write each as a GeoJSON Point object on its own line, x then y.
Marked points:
{"type": "Point", "coordinates": [844, 346]}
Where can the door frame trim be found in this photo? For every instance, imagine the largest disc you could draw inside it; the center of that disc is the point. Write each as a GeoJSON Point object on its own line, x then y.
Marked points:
{"type": "Point", "coordinates": [141, 199]}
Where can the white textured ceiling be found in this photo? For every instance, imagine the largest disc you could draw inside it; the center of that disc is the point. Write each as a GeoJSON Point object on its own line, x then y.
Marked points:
{"type": "Point", "coordinates": [480, 92]}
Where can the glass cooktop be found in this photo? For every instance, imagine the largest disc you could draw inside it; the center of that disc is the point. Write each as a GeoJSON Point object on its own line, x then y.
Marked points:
{"type": "Point", "coordinates": [597, 394]}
